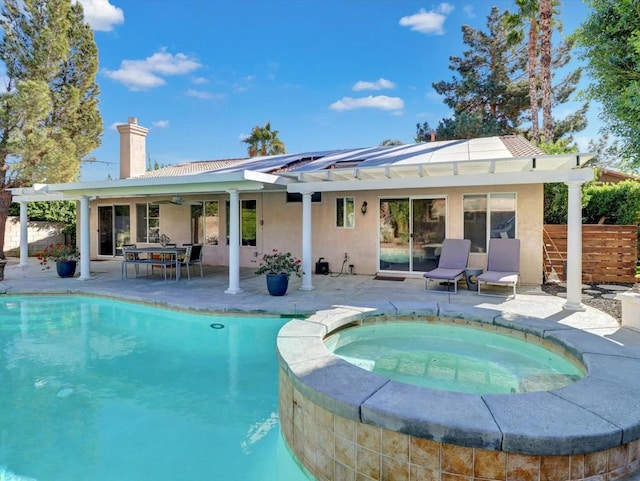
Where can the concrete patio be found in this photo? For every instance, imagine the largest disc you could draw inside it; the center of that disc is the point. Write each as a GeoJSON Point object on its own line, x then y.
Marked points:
{"type": "Point", "coordinates": [208, 293]}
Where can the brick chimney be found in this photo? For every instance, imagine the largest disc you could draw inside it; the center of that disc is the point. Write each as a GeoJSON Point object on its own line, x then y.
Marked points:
{"type": "Point", "coordinates": [133, 152]}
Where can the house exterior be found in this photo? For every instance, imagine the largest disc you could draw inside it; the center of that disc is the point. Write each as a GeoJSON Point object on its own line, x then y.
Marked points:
{"type": "Point", "coordinates": [371, 210]}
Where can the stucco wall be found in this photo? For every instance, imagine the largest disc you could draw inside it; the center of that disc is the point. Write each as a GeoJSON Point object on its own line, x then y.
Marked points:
{"type": "Point", "coordinates": [279, 227]}
{"type": "Point", "coordinates": [39, 235]}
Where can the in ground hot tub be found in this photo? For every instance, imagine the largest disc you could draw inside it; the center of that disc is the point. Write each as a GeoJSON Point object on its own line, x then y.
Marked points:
{"type": "Point", "coordinates": [345, 422]}
{"type": "Point", "coordinates": [453, 356]}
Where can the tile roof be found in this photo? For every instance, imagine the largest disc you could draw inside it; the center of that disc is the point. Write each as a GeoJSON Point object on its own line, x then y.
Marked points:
{"type": "Point", "coordinates": [189, 168]}
{"type": "Point", "coordinates": [519, 146]}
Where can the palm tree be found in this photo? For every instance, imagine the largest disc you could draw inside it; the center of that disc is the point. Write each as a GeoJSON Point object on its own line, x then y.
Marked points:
{"type": "Point", "coordinates": [528, 13]}
{"type": "Point", "coordinates": [264, 141]}
{"type": "Point", "coordinates": [546, 12]}
{"type": "Point", "coordinates": [539, 15]}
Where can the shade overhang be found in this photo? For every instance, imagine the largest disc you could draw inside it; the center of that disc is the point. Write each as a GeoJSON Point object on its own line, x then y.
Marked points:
{"type": "Point", "coordinates": [246, 181]}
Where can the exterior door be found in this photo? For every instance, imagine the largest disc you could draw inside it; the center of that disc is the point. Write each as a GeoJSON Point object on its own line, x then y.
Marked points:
{"type": "Point", "coordinates": [411, 233]}
{"type": "Point", "coordinates": [114, 229]}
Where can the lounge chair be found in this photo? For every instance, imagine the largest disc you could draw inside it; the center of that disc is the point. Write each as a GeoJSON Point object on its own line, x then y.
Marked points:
{"type": "Point", "coordinates": [503, 264]}
{"type": "Point", "coordinates": [451, 265]}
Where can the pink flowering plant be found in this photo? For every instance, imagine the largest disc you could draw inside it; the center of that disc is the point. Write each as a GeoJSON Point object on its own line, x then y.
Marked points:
{"type": "Point", "coordinates": [280, 263]}
{"type": "Point", "coordinates": [57, 253]}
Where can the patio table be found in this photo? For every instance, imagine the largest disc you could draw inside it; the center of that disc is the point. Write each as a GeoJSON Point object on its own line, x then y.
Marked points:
{"type": "Point", "coordinates": [167, 257]}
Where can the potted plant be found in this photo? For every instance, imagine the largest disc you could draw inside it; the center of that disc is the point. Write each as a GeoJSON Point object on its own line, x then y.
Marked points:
{"type": "Point", "coordinates": [65, 256]}
{"type": "Point", "coordinates": [278, 267]}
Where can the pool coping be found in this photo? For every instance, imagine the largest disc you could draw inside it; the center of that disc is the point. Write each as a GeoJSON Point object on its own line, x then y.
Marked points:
{"type": "Point", "coordinates": [599, 412]}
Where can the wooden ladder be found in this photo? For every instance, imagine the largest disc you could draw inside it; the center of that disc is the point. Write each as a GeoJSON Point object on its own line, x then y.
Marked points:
{"type": "Point", "coordinates": [549, 270]}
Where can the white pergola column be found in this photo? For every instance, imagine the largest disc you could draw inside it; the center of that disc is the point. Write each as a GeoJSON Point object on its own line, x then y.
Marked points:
{"type": "Point", "coordinates": [24, 235]}
{"type": "Point", "coordinates": [234, 242]}
{"type": "Point", "coordinates": [574, 248]}
{"type": "Point", "coordinates": [85, 240]}
{"type": "Point", "coordinates": [306, 242]}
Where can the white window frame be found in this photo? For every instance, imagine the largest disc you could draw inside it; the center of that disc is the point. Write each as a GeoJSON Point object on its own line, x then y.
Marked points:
{"type": "Point", "coordinates": [345, 202]}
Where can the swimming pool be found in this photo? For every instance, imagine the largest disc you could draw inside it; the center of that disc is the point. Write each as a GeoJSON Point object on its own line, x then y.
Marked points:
{"type": "Point", "coordinates": [96, 389]}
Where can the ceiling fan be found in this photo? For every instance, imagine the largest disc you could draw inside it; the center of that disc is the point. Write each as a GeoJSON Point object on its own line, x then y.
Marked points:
{"type": "Point", "coordinates": [177, 200]}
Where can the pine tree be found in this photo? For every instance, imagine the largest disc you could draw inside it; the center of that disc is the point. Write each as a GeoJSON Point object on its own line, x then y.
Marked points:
{"type": "Point", "coordinates": [488, 97]}
{"type": "Point", "coordinates": [49, 117]}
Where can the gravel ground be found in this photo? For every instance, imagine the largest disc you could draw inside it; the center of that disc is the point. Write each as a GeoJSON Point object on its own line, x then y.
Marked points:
{"type": "Point", "coordinates": [597, 301]}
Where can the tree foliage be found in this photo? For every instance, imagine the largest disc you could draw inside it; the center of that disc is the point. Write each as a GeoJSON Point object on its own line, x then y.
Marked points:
{"type": "Point", "coordinates": [610, 41]}
{"type": "Point", "coordinates": [527, 14]}
{"type": "Point", "coordinates": [486, 96]}
{"type": "Point", "coordinates": [612, 203]}
{"type": "Point", "coordinates": [499, 88]}
{"type": "Point", "coordinates": [49, 117]}
{"type": "Point", "coordinates": [58, 211]}
{"type": "Point", "coordinates": [264, 141]}
{"type": "Point", "coordinates": [601, 203]}
{"type": "Point", "coordinates": [423, 132]}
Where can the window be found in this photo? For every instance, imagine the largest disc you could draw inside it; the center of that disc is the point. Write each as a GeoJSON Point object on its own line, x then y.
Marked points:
{"type": "Point", "coordinates": [205, 223]}
{"type": "Point", "coordinates": [148, 222]}
{"type": "Point", "coordinates": [345, 212]}
{"type": "Point", "coordinates": [248, 222]}
{"type": "Point", "coordinates": [488, 216]}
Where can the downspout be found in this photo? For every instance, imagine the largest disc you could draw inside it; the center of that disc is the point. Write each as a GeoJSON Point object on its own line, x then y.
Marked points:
{"type": "Point", "coordinates": [306, 242]}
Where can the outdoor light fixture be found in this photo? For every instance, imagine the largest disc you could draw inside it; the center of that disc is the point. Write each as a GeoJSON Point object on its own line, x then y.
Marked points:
{"type": "Point", "coordinates": [363, 209]}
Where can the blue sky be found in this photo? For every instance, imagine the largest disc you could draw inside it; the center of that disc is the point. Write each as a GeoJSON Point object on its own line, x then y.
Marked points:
{"type": "Point", "coordinates": [326, 74]}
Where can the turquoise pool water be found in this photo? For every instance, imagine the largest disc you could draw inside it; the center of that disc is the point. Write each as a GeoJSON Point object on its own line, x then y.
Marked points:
{"type": "Point", "coordinates": [452, 357]}
{"type": "Point", "coordinates": [97, 390]}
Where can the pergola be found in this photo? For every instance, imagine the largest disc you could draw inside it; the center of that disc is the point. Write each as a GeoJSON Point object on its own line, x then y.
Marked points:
{"type": "Point", "coordinates": [473, 162]}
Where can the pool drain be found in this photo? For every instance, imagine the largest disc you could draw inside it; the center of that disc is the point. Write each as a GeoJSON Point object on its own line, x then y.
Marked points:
{"type": "Point", "coordinates": [215, 325]}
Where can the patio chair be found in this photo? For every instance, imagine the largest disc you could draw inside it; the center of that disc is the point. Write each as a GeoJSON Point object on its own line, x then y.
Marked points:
{"type": "Point", "coordinates": [127, 257]}
{"type": "Point", "coordinates": [163, 257]}
{"type": "Point", "coordinates": [192, 256]}
{"type": "Point", "coordinates": [503, 264]}
{"type": "Point", "coordinates": [451, 265]}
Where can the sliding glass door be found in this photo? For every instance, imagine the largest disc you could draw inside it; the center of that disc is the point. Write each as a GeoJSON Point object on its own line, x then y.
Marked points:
{"type": "Point", "coordinates": [114, 229]}
{"type": "Point", "coordinates": [411, 233]}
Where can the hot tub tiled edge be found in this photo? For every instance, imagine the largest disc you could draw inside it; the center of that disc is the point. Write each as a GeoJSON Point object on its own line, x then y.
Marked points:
{"type": "Point", "coordinates": [581, 420]}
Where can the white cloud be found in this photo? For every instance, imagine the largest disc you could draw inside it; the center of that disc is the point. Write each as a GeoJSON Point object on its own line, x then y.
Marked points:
{"type": "Point", "coordinates": [381, 102]}
{"type": "Point", "coordinates": [468, 10]}
{"type": "Point", "coordinates": [101, 15]}
{"type": "Point", "coordinates": [202, 94]}
{"type": "Point", "coordinates": [200, 80]}
{"type": "Point", "coordinates": [243, 84]}
{"type": "Point", "coordinates": [145, 74]}
{"type": "Point", "coordinates": [162, 124]}
{"type": "Point", "coordinates": [379, 84]}
{"type": "Point", "coordinates": [428, 22]}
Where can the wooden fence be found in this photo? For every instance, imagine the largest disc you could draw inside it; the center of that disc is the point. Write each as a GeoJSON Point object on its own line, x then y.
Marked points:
{"type": "Point", "coordinates": [609, 252]}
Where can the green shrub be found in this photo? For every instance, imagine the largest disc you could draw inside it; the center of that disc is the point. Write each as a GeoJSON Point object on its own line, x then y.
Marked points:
{"type": "Point", "coordinates": [614, 203]}
{"type": "Point", "coordinates": [611, 203]}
